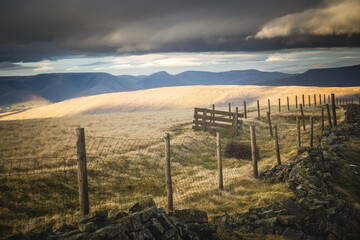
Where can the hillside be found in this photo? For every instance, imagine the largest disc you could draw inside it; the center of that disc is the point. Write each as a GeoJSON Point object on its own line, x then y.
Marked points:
{"type": "Point", "coordinates": [175, 98]}
{"type": "Point", "coordinates": [61, 86]}
{"type": "Point", "coordinates": [188, 78]}
{"type": "Point", "coordinates": [327, 77]}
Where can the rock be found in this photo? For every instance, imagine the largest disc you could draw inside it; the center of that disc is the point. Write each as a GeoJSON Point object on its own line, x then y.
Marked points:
{"type": "Point", "coordinates": [63, 228]}
{"type": "Point", "coordinates": [155, 227]}
{"type": "Point", "coordinates": [79, 236]}
{"type": "Point", "coordinates": [88, 227]}
{"type": "Point", "coordinates": [110, 232]}
{"type": "Point", "coordinates": [191, 216]}
{"type": "Point", "coordinates": [223, 222]}
{"type": "Point", "coordinates": [287, 219]}
{"type": "Point", "coordinates": [142, 205]}
{"type": "Point", "coordinates": [92, 217]}
{"type": "Point", "coordinates": [115, 214]}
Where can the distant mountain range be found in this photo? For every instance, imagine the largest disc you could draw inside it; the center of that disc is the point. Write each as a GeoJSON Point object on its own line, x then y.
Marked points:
{"type": "Point", "coordinates": [61, 86]}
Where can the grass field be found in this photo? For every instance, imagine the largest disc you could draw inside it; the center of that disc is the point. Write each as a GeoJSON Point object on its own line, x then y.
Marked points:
{"type": "Point", "coordinates": [179, 98]}
{"type": "Point", "coordinates": [125, 163]}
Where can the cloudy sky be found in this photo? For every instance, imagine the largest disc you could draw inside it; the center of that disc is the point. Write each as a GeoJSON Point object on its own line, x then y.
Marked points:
{"type": "Point", "coordinates": [141, 36]}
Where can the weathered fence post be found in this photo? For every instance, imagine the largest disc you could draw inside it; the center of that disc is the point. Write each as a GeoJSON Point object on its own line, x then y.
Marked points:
{"type": "Point", "coordinates": [315, 99]}
{"type": "Point", "coordinates": [236, 121]}
{"type": "Point", "coordinates": [287, 98]}
{"type": "Point", "coordinates": [253, 151]}
{"type": "Point", "coordinates": [296, 102]}
{"type": "Point", "coordinates": [324, 99]}
{"type": "Point", "coordinates": [329, 99]}
{"type": "Point", "coordinates": [279, 105]}
{"type": "Point", "coordinates": [230, 110]}
{"type": "Point", "coordinates": [169, 191]}
{"type": "Point", "coordinates": [196, 117]}
{"type": "Point", "coordinates": [303, 98]}
{"type": "Point", "coordinates": [213, 114]}
{"type": "Point", "coordinates": [82, 172]}
{"type": "Point", "coordinates": [269, 105]}
{"type": "Point", "coordinates": [277, 145]}
{"type": "Point", "coordinates": [333, 108]}
{"type": "Point", "coordinates": [329, 116]}
{"type": "Point", "coordinates": [309, 101]}
{"type": "Point", "coordinates": [258, 107]}
{"type": "Point", "coordinates": [245, 114]}
{"type": "Point", "coordinates": [311, 131]}
{"type": "Point", "coordinates": [302, 116]}
{"type": "Point", "coordinates": [320, 99]}
{"type": "Point", "coordinates": [322, 120]}
{"type": "Point", "coordinates": [218, 148]}
{"type": "Point", "coordinates": [270, 127]}
{"type": "Point", "coordinates": [298, 131]}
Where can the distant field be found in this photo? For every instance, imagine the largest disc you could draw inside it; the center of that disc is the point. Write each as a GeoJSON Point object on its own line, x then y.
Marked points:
{"type": "Point", "coordinates": [178, 98]}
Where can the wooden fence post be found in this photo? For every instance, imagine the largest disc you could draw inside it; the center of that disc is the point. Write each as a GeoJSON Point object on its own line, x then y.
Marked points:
{"type": "Point", "coordinates": [311, 131]}
{"type": "Point", "coordinates": [320, 99]}
{"type": "Point", "coordinates": [329, 99]}
{"type": "Point", "coordinates": [302, 115]}
{"type": "Point", "coordinates": [169, 191]}
{"type": "Point", "coordinates": [309, 101]}
{"type": "Point", "coordinates": [245, 114]}
{"type": "Point", "coordinates": [270, 127]}
{"type": "Point", "coordinates": [333, 108]}
{"type": "Point", "coordinates": [329, 116]}
{"type": "Point", "coordinates": [287, 98]}
{"type": "Point", "coordinates": [298, 131]}
{"type": "Point", "coordinates": [277, 145]}
{"type": "Point", "coordinates": [253, 151]}
{"type": "Point", "coordinates": [213, 114]}
{"type": "Point", "coordinates": [322, 120]}
{"type": "Point", "coordinates": [236, 121]}
{"type": "Point", "coordinates": [82, 172]}
{"type": "Point", "coordinates": [258, 107]}
{"type": "Point", "coordinates": [196, 118]}
{"type": "Point", "coordinates": [269, 105]}
{"type": "Point", "coordinates": [315, 99]}
{"type": "Point", "coordinates": [324, 99]}
{"type": "Point", "coordinates": [218, 148]}
{"type": "Point", "coordinates": [303, 98]}
{"type": "Point", "coordinates": [296, 102]}
{"type": "Point", "coordinates": [230, 110]}
{"type": "Point", "coordinates": [279, 105]}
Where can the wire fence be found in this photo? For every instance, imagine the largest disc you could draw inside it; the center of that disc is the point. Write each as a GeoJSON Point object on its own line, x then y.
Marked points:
{"type": "Point", "coordinates": [40, 191]}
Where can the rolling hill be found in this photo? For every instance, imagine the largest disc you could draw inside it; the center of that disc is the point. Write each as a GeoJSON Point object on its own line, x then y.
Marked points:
{"type": "Point", "coordinates": [175, 98]}
{"type": "Point", "coordinates": [58, 87]}
{"type": "Point", "coordinates": [326, 77]}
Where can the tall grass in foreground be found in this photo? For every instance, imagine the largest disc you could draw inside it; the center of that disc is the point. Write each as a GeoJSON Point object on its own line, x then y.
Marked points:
{"type": "Point", "coordinates": [39, 179]}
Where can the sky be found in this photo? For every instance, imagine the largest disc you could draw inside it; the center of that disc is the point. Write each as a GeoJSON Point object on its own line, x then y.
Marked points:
{"type": "Point", "coordinates": [140, 37]}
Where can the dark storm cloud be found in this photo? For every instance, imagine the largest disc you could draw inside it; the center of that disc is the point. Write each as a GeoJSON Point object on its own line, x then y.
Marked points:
{"type": "Point", "coordinates": [12, 66]}
{"type": "Point", "coordinates": [49, 29]}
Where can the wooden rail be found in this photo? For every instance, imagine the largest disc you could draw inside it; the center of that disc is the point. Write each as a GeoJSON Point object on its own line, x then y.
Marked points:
{"type": "Point", "coordinates": [211, 120]}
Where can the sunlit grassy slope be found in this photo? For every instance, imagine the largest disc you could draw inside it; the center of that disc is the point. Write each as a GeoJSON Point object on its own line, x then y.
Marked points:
{"type": "Point", "coordinates": [175, 98]}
